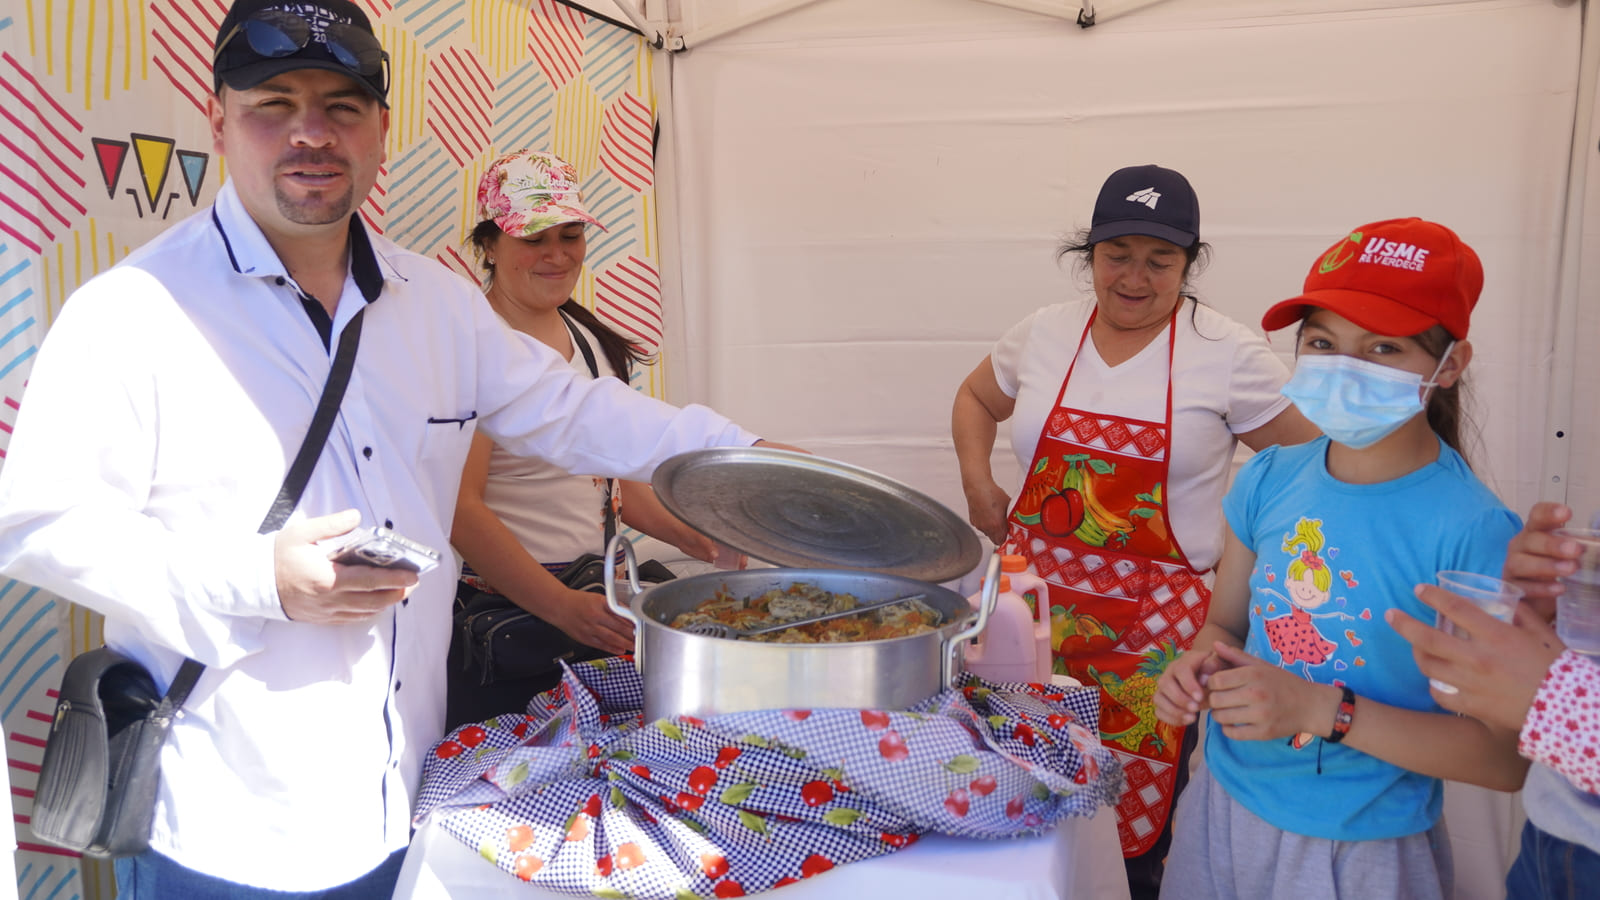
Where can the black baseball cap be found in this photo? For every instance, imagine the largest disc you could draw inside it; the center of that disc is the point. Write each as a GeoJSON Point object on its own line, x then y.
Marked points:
{"type": "Point", "coordinates": [262, 38]}
{"type": "Point", "coordinates": [1147, 200]}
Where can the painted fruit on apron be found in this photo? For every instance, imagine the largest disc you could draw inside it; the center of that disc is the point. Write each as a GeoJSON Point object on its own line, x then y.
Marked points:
{"type": "Point", "coordinates": [1091, 519]}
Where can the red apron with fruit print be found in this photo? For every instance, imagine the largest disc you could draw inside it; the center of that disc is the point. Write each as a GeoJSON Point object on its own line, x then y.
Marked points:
{"type": "Point", "coordinates": [1091, 519]}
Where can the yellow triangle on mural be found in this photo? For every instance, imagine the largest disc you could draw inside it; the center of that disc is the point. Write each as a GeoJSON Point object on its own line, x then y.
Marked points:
{"type": "Point", "coordinates": [155, 159]}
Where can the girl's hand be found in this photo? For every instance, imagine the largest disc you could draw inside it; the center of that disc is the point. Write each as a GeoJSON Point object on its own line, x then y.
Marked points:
{"type": "Point", "coordinates": [1535, 558]}
{"type": "Point", "coordinates": [987, 505]}
{"type": "Point", "coordinates": [1254, 700]}
{"type": "Point", "coordinates": [1181, 690]}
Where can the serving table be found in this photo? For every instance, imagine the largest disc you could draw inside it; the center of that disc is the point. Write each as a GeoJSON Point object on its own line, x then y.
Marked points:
{"type": "Point", "coordinates": [833, 780]}
{"type": "Point", "coordinates": [1080, 859]}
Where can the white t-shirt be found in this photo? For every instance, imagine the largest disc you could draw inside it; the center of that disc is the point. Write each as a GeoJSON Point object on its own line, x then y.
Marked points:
{"type": "Point", "coordinates": [1225, 381]}
{"type": "Point", "coordinates": [555, 515]}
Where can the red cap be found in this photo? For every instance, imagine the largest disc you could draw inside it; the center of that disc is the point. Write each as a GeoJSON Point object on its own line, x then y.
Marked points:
{"type": "Point", "coordinates": [1397, 277]}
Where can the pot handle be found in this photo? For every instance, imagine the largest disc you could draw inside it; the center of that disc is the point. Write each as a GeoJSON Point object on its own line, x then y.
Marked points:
{"type": "Point", "coordinates": [991, 594]}
{"type": "Point", "coordinates": [621, 543]}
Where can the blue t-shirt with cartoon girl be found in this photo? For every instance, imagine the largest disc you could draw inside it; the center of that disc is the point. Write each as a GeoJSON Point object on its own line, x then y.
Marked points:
{"type": "Point", "coordinates": [1331, 558]}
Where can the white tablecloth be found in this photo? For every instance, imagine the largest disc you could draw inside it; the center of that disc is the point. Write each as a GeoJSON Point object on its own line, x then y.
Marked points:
{"type": "Point", "coordinates": [1080, 860]}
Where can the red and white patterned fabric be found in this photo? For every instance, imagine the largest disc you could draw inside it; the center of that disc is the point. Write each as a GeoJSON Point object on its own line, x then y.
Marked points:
{"type": "Point", "coordinates": [580, 795]}
{"type": "Point", "coordinates": [1563, 726]}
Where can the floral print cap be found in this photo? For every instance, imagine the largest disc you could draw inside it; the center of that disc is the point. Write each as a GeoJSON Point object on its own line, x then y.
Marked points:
{"type": "Point", "coordinates": [528, 191]}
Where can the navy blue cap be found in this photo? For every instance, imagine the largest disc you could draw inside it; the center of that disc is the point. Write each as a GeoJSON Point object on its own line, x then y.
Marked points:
{"type": "Point", "coordinates": [1150, 201]}
{"type": "Point", "coordinates": [259, 39]}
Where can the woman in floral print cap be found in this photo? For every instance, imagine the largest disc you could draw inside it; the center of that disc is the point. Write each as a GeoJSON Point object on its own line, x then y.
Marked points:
{"type": "Point", "coordinates": [522, 194]}
{"type": "Point", "coordinates": [520, 522]}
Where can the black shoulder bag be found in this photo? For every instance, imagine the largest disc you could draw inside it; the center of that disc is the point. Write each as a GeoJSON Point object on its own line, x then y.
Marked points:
{"type": "Point", "coordinates": [101, 768]}
{"type": "Point", "coordinates": [497, 640]}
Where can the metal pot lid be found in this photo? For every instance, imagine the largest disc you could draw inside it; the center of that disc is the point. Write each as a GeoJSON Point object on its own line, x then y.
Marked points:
{"type": "Point", "coordinates": [794, 509]}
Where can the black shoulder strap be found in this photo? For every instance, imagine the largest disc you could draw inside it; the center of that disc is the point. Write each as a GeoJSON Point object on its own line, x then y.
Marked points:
{"type": "Point", "coordinates": [594, 369]}
{"type": "Point", "coordinates": [182, 684]}
{"type": "Point", "coordinates": [294, 483]}
{"type": "Point", "coordinates": [582, 344]}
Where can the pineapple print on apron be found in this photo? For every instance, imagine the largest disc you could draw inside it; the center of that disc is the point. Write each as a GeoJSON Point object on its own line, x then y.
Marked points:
{"type": "Point", "coordinates": [1091, 519]}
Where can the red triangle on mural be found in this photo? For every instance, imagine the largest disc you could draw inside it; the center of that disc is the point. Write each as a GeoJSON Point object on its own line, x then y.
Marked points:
{"type": "Point", "coordinates": [111, 154]}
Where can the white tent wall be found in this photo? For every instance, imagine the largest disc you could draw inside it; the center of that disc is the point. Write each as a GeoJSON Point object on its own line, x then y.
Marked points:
{"type": "Point", "coordinates": [863, 211]}
{"type": "Point", "coordinates": [1572, 430]}
{"type": "Point", "coordinates": [869, 192]}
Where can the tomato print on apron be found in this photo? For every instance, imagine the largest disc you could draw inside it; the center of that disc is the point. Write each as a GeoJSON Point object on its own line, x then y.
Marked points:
{"type": "Point", "coordinates": [1091, 519]}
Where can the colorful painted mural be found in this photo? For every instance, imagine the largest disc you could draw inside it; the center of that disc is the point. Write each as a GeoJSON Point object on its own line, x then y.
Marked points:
{"type": "Point", "coordinates": [103, 143]}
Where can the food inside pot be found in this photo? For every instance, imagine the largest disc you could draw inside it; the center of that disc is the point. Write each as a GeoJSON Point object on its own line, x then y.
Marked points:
{"type": "Point", "coordinates": [806, 601]}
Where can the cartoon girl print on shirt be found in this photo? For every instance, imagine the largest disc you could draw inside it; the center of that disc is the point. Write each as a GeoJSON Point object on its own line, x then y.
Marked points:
{"type": "Point", "coordinates": [1310, 585]}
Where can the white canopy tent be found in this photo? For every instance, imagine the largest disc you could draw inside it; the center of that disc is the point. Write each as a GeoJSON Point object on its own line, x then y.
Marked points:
{"type": "Point", "coordinates": [869, 193]}
{"type": "Point", "coordinates": [852, 199]}
{"type": "Point", "coordinates": [859, 196]}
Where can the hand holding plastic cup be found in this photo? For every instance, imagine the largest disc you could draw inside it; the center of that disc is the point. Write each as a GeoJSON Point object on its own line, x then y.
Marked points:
{"type": "Point", "coordinates": [1578, 607]}
{"type": "Point", "coordinates": [1493, 596]}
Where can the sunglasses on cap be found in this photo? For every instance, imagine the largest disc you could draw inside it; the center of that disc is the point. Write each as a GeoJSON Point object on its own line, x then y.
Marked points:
{"type": "Point", "coordinates": [277, 33]}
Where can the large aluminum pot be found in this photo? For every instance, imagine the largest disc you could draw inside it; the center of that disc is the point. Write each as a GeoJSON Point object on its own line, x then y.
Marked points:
{"type": "Point", "coordinates": [697, 675]}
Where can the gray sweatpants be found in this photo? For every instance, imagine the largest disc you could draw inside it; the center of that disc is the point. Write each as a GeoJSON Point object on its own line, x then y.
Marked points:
{"type": "Point", "coordinates": [1222, 851]}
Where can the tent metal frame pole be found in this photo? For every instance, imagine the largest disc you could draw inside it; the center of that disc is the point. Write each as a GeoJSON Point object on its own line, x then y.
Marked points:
{"type": "Point", "coordinates": [678, 384]}
{"type": "Point", "coordinates": [1559, 420]}
{"type": "Point", "coordinates": [1084, 12]}
{"type": "Point", "coordinates": [1110, 10]}
{"type": "Point", "coordinates": [1071, 10]}
{"type": "Point", "coordinates": [712, 32]}
{"type": "Point", "coordinates": [635, 14]}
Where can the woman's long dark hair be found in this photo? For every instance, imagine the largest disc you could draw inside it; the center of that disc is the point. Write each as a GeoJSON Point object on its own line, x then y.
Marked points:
{"type": "Point", "coordinates": [620, 352]}
{"type": "Point", "coordinates": [1195, 258]}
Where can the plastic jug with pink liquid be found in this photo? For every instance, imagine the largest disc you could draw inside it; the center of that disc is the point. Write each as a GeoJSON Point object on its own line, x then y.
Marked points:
{"type": "Point", "coordinates": [1033, 591]}
{"type": "Point", "coordinates": [1006, 650]}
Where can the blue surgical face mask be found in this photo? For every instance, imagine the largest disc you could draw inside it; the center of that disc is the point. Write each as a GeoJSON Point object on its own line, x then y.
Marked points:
{"type": "Point", "coordinates": [1355, 402]}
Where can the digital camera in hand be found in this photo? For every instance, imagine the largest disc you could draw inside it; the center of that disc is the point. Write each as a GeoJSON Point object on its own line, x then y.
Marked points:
{"type": "Point", "coordinates": [385, 549]}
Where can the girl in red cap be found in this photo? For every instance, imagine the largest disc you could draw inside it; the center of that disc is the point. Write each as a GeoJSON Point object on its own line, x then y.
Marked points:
{"type": "Point", "coordinates": [1325, 751]}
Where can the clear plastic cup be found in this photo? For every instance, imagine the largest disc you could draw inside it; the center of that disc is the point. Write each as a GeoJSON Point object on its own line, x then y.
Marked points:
{"type": "Point", "coordinates": [1493, 596]}
{"type": "Point", "coordinates": [1578, 608]}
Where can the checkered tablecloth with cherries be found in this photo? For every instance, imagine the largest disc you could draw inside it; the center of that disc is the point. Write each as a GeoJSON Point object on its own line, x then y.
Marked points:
{"type": "Point", "coordinates": [582, 796]}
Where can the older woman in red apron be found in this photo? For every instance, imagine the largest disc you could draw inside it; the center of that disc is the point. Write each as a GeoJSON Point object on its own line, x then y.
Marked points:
{"type": "Point", "coordinates": [1125, 412]}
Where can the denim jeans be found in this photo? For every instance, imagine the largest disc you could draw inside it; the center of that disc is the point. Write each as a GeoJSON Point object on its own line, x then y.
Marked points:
{"type": "Point", "coordinates": [1549, 868]}
{"type": "Point", "coordinates": [151, 876]}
